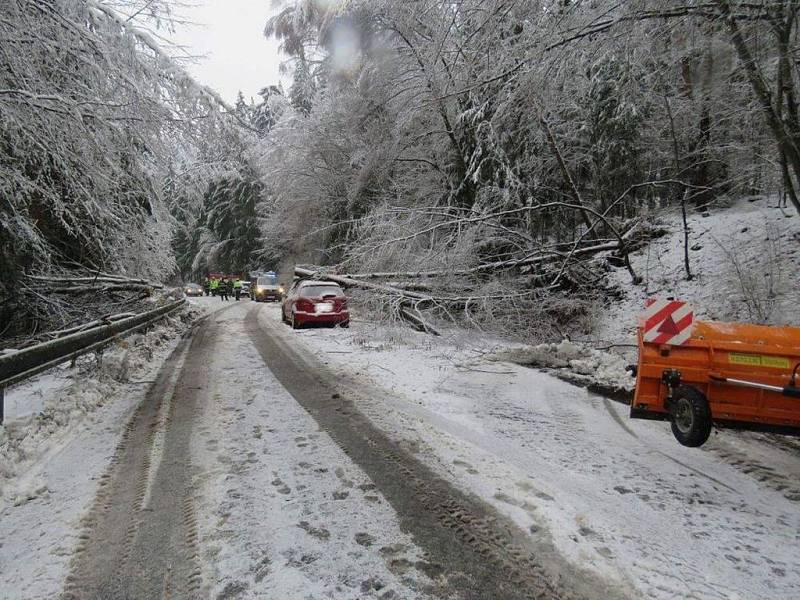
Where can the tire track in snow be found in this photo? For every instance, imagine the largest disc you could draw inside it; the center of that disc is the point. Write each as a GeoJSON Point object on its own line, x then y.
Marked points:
{"type": "Point", "coordinates": [615, 416]}
{"type": "Point", "coordinates": [480, 553]}
{"type": "Point", "coordinates": [139, 538]}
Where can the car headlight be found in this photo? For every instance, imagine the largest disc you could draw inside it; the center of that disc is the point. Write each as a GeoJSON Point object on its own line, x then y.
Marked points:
{"type": "Point", "coordinates": [281, 290]}
{"type": "Point", "coordinates": [260, 289]}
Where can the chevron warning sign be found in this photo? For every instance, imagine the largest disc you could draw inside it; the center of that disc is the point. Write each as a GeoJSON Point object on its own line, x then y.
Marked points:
{"type": "Point", "coordinates": [667, 322]}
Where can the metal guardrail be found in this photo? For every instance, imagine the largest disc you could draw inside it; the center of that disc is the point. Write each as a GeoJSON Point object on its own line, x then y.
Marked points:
{"type": "Point", "coordinates": [18, 366]}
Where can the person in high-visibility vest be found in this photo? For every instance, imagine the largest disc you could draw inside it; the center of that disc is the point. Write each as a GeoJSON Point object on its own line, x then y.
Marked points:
{"type": "Point", "coordinates": [237, 288]}
{"type": "Point", "coordinates": [214, 285]}
{"type": "Point", "coordinates": [223, 289]}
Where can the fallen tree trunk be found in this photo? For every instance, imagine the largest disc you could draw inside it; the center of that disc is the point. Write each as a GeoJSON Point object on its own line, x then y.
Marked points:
{"type": "Point", "coordinates": [417, 321]}
{"type": "Point", "coordinates": [112, 279]}
{"type": "Point", "coordinates": [347, 281]}
{"type": "Point", "coordinates": [106, 320]}
{"type": "Point", "coordinates": [121, 287]}
{"type": "Point", "coordinates": [410, 286]}
{"type": "Point", "coordinates": [494, 266]}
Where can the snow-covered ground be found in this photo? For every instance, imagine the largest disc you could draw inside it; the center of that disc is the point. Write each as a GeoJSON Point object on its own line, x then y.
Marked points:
{"type": "Point", "coordinates": [61, 431]}
{"type": "Point", "coordinates": [282, 511]}
{"type": "Point", "coordinates": [620, 497]}
{"type": "Point", "coordinates": [744, 259]}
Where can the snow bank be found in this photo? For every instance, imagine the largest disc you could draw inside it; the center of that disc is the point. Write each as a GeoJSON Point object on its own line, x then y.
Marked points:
{"type": "Point", "coordinates": [44, 411]}
{"type": "Point", "coordinates": [575, 362]}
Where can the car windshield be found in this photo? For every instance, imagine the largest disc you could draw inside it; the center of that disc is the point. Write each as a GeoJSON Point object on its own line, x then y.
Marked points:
{"type": "Point", "coordinates": [267, 281]}
{"type": "Point", "coordinates": [317, 291]}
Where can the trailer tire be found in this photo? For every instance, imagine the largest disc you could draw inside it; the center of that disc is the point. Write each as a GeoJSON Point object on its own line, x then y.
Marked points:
{"type": "Point", "coordinates": [691, 416]}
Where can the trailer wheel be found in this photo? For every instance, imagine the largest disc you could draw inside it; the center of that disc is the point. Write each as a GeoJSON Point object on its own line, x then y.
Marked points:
{"type": "Point", "coordinates": [691, 416]}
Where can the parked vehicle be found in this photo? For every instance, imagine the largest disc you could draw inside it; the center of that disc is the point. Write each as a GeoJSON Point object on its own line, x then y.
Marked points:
{"type": "Point", "coordinates": [730, 374]}
{"type": "Point", "coordinates": [193, 289]}
{"type": "Point", "coordinates": [320, 302]}
{"type": "Point", "coordinates": [245, 288]}
{"type": "Point", "coordinates": [266, 288]}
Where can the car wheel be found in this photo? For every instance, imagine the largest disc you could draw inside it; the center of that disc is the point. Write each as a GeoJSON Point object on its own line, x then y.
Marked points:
{"type": "Point", "coordinates": [691, 416]}
{"type": "Point", "coordinates": [344, 324]}
{"type": "Point", "coordinates": [294, 323]}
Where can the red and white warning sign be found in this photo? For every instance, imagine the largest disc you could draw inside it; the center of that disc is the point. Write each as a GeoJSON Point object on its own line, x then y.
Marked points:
{"type": "Point", "coordinates": [667, 322]}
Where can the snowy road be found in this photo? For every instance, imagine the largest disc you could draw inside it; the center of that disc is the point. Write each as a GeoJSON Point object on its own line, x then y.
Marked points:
{"type": "Point", "coordinates": [223, 486]}
{"type": "Point", "coordinates": [381, 463]}
{"type": "Point", "coordinates": [244, 473]}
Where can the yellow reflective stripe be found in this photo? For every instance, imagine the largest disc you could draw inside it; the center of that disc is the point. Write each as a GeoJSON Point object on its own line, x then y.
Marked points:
{"type": "Point", "coordinates": [756, 360]}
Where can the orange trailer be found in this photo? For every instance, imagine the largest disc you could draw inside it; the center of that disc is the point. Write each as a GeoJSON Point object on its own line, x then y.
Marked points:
{"type": "Point", "coordinates": [729, 374]}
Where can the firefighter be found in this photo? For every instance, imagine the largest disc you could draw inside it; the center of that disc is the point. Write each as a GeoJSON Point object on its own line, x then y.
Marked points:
{"type": "Point", "coordinates": [214, 286]}
{"type": "Point", "coordinates": [222, 290]}
{"type": "Point", "coordinates": [237, 288]}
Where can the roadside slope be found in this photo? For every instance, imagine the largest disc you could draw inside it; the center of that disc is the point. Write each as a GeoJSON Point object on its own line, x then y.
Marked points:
{"type": "Point", "coordinates": [744, 261]}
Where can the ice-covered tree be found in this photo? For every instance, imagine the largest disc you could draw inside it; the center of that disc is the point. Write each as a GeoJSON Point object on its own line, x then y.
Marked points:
{"type": "Point", "coordinates": [94, 116]}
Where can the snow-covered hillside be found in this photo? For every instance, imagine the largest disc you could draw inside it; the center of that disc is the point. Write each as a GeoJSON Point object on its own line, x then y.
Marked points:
{"type": "Point", "coordinates": [744, 259]}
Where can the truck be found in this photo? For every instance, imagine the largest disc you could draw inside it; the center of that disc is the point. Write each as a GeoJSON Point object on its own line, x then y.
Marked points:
{"type": "Point", "coordinates": [733, 375]}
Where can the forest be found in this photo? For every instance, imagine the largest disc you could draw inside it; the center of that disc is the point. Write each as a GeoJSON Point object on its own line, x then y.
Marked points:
{"type": "Point", "coordinates": [501, 156]}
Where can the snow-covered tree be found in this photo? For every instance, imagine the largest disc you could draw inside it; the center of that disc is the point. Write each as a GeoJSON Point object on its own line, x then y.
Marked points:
{"type": "Point", "coordinates": [94, 116]}
{"type": "Point", "coordinates": [497, 136]}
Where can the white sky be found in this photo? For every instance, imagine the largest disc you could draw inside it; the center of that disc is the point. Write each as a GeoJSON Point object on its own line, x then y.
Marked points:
{"type": "Point", "coordinates": [237, 55]}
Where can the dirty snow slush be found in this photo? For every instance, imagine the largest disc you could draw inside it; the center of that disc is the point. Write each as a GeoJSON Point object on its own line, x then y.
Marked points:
{"type": "Point", "coordinates": [138, 539]}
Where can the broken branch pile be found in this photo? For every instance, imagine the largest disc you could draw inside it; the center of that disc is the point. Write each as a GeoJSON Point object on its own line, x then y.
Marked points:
{"type": "Point", "coordinates": [47, 306]}
{"type": "Point", "coordinates": [557, 285]}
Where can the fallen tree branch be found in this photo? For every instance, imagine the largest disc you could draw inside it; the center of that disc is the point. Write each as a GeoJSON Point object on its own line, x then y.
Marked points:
{"type": "Point", "coordinates": [417, 321]}
{"type": "Point", "coordinates": [126, 287]}
{"type": "Point", "coordinates": [493, 266]}
{"type": "Point", "coordinates": [350, 282]}
{"type": "Point", "coordinates": [96, 323]}
{"type": "Point", "coordinates": [114, 279]}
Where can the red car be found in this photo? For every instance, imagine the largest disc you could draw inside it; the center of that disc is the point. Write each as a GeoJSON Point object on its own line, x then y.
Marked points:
{"type": "Point", "coordinates": [321, 302]}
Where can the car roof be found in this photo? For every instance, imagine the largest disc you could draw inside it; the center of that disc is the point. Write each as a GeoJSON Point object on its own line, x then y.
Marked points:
{"type": "Point", "coordinates": [313, 282]}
